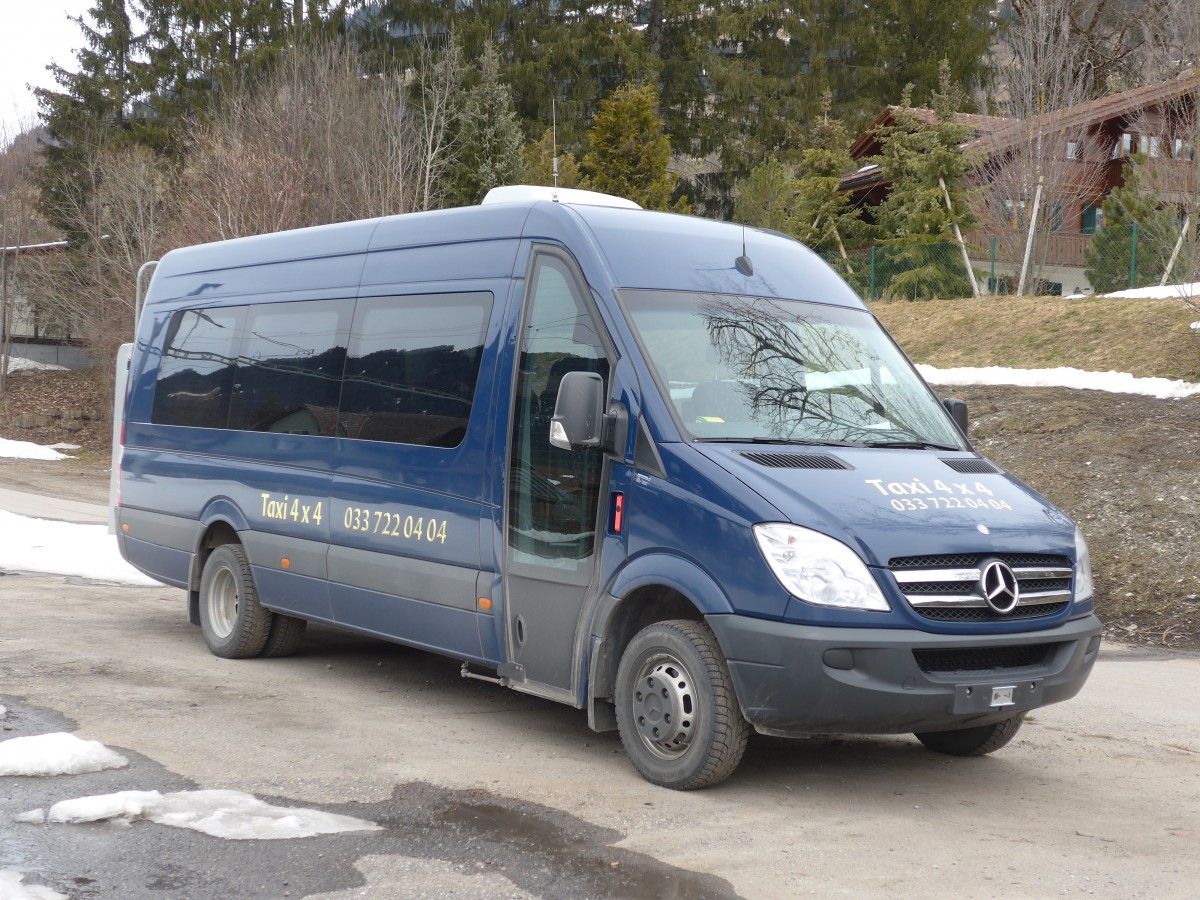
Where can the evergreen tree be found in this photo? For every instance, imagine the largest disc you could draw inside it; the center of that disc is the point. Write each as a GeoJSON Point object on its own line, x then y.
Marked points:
{"type": "Point", "coordinates": [564, 54]}
{"type": "Point", "coordinates": [826, 219]}
{"type": "Point", "coordinates": [92, 106]}
{"type": "Point", "coordinates": [628, 151]}
{"type": "Point", "coordinates": [766, 198]}
{"type": "Point", "coordinates": [925, 163]}
{"type": "Point", "coordinates": [538, 158]}
{"type": "Point", "coordinates": [194, 47]}
{"type": "Point", "coordinates": [489, 137]}
{"type": "Point", "coordinates": [1138, 200]}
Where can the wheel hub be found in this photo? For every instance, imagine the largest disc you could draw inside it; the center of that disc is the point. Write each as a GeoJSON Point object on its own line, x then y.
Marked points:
{"type": "Point", "coordinates": [664, 707]}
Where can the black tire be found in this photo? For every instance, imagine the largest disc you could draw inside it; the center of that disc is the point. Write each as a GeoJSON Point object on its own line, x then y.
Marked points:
{"type": "Point", "coordinates": [978, 741]}
{"type": "Point", "coordinates": [676, 708]}
{"type": "Point", "coordinates": [235, 625]}
{"type": "Point", "coordinates": [285, 635]}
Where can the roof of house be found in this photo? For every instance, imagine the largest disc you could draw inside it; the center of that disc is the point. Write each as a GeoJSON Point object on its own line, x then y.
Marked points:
{"type": "Point", "coordinates": [995, 134]}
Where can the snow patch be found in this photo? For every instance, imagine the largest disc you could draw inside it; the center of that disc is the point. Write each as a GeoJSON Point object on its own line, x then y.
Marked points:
{"type": "Point", "coordinates": [20, 364]}
{"type": "Point", "coordinates": [232, 815]}
{"type": "Point", "coordinates": [12, 889]}
{"type": "Point", "coordinates": [63, 548]}
{"type": "Point", "coordinates": [1063, 376]}
{"type": "Point", "coordinates": [28, 450]}
{"type": "Point", "coordinates": [3, 712]}
{"type": "Point", "coordinates": [57, 753]}
{"type": "Point", "coordinates": [1158, 292]}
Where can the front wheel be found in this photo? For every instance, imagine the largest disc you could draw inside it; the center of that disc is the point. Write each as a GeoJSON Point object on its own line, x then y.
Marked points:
{"type": "Point", "coordinates": [235, 625]}
{"type": "Point", "coordinates": [978, 741]}
{"type": "Point", "coordinates": [677, 712]}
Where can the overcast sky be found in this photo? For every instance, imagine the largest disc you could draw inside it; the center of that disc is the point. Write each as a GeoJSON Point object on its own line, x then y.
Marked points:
{"type": "Point", "coordinates": [33, 33]}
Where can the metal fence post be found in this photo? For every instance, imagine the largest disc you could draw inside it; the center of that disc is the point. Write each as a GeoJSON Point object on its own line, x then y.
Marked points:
{"type": "Point", "coordinates": [1133, 259]}
{"type": "Point", "coordinates": [872, 273]}
{"type": "Point", "coordinates": [992, 273]}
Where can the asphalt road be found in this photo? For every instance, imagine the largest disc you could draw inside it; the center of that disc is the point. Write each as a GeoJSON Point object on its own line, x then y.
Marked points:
{"type": "Point", "coordinates": [485, 792]}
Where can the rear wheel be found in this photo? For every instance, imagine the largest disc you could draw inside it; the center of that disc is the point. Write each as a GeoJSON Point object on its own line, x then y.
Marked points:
{"type": "Point", "coordinates": [977, 741]}
{"type": "Point", "coordinates": [676, 709]}
{"type": "Point", "coordinates": [285, 635]}
{"type": "Point", "coordinates": [234, 624]}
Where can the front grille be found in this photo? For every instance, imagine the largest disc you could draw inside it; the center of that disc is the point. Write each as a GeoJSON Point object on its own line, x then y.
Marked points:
{"type": "Point", "coordinates": [950, 560]}
{"type": "Point", "coordinates": [982, 659]}
{"type": "Point", "coordinates": [983, 614]}
{"type": "Point", "coordinates": [945, 588]}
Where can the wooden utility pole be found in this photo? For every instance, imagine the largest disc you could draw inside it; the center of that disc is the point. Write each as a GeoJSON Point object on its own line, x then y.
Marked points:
{"type": "Point", "coordinates": [959, 238]}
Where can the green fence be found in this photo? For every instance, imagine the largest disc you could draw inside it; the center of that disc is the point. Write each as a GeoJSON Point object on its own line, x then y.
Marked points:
{"type": "Point", "coordinates": [1114, 258]}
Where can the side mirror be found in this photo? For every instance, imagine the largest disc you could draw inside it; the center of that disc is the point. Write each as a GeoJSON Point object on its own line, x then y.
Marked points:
{"type": "Point", "coordinates": [578, 412]}
{"type": "Point", "coordinates": [958, 412]}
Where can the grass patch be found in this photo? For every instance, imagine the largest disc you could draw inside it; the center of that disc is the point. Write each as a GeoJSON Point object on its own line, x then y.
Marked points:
{"type": "Point", "coordinates": [1142, 337]}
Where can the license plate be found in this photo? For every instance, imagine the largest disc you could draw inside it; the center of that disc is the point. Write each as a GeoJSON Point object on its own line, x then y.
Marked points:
{"type": "Point", "coordinates": [1002, 696]}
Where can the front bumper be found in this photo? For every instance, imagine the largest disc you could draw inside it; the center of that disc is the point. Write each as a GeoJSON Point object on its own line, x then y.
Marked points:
{"type": "Point", "coordinates": [794, 680]}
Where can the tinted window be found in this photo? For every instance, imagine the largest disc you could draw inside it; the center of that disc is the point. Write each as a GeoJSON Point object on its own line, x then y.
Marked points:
{"type": "Point", "coordinates": [290, 367]}
{"type": "Point", "coordinates": [553, 493]}
{"type": "Point", "coordinates": [412, 367]}
{"type": "Point", "coordinates": [195, 377]}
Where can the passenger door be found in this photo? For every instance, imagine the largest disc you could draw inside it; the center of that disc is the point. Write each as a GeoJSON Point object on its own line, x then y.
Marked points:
{"type": "Point", "coordinates": [553, 497]}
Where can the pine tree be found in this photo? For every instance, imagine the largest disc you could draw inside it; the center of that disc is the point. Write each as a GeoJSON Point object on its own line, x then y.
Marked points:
{"type": "Point", "coordinates": [1137, 201]}
{"type": "Point", "coordinates": [924, 164]}
{"type": "Point", "coordinates": [826, 219]}
{"type": "Point", "coordinates": [628, 151]}
{"type": "Point", "coordinates": [489, 136]}
{"type": "Point", "coordinates": [766, 198]}
{"type": "Point", "coordinates": [92, 106]}
{"type": "Point", "coordinates": [538, 157]}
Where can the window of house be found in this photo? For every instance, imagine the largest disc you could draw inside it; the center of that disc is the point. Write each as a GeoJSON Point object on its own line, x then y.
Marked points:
{"type": "Point", "coordinates": [1155, 150]}
{"type": "Point", "coordinates": [1143, 144]}
{"type": "Point", "coordinates": [1072, 150]}
{"type": "Point", "coordinates": [1056, 217]}
{"type": "Point", "coordinates": [1092, 219]}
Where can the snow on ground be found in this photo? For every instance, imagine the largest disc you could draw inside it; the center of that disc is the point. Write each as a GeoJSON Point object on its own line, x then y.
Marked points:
{"type": "Point", "coordinates": [19, 364]}
{"type": "Point", "coordinates": [225, 814]}
{"type": "Point", "coordinates": [28, 450]}
{"type": "Point", "coordinates": [58, 753]}
{"type": "Point", "coordinates": [1154, 292]}
{"type": "Point", "coordinates": [63, 548]}
{"type": "Point", "coordinates": [1113, 382]}
{"type": "Point", "coordinates": [12, 889]}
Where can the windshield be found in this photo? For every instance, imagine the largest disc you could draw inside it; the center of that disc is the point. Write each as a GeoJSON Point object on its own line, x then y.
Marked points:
{"type": "Point", "coordinates": [755, 368]}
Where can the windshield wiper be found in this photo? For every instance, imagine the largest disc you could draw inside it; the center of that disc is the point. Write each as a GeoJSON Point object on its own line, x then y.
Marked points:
{"type": "Point", "coordinates": [909, 445]}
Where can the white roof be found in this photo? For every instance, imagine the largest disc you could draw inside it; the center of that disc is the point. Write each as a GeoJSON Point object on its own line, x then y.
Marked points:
{"type": "Point", "coordinates": [523, 193]}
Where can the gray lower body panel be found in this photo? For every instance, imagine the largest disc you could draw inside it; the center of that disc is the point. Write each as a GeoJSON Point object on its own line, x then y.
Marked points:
{"type": "Point", "coordinates": [798, 679]}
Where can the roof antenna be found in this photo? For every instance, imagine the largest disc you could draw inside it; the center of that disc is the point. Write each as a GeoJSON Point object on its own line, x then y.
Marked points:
{"type": "Point", "coordinates": [743, 263]}
{"type": "Point", "coordinates": [554, 144]}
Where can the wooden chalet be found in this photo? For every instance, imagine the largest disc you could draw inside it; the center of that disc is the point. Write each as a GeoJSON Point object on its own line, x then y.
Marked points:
{"type": "Point", "coordinates": [1088, 146]}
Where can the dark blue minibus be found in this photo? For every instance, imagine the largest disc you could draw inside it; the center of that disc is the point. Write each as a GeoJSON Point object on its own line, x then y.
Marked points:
{"type": "Point", "coordinates": [668, 470]}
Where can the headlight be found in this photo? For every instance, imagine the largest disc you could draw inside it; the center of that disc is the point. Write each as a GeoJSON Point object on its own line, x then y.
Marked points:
{"type": "Point", "coordinates": [817, 569]}
{"type": "Point", "coordinates": [1083, 569]}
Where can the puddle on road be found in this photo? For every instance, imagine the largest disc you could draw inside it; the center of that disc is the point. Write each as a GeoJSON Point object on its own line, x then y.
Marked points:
{"type": "Point", "coordinates": [583, 855]}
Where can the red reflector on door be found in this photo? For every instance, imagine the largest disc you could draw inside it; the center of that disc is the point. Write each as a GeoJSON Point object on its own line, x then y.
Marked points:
{"type": "Point", "coordinates": [618, 512]}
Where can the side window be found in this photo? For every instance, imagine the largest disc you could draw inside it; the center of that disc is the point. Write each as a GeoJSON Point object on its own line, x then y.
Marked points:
{"type": "Point", "coordinates": [553, 493]}
{"type": "Point", "coordinates": [289, 371]}
{"type": "Point", "coordinates": [195, 376]}
{"type": "Point", "coordinates": [412, 367]}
